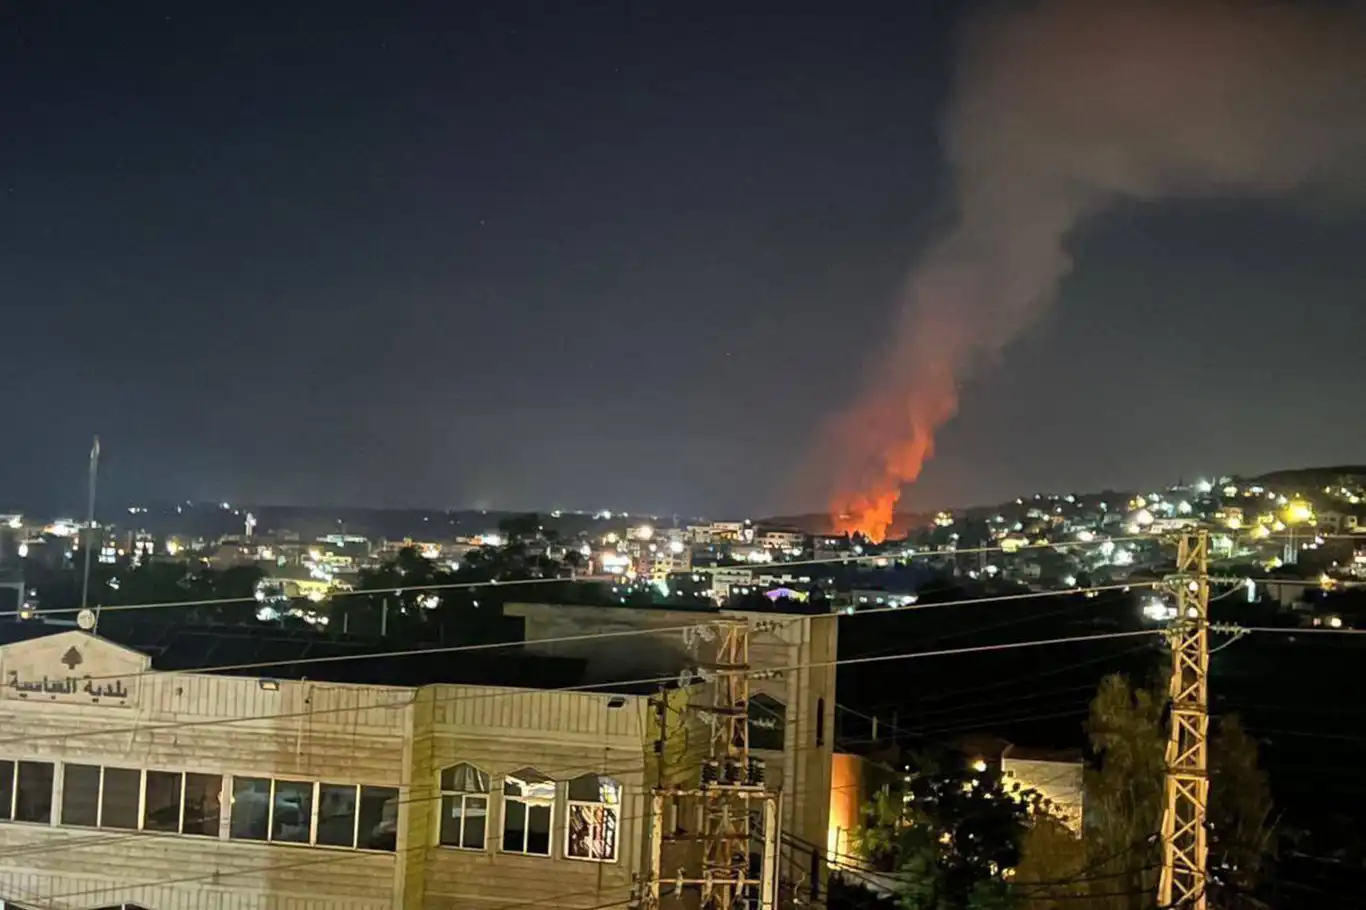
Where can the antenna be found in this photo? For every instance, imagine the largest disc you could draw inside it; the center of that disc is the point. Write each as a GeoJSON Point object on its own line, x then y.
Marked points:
{"type": "Point", "coordinates": [90, 529]}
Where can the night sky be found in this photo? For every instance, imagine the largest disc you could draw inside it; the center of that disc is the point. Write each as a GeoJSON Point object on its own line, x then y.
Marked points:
{"type": "Point", "coordinates": [583, 255]}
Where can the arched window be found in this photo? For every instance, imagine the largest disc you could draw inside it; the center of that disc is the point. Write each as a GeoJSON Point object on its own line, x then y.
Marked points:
{"type": "Point", "coordinates": [464, 807]}
{"type": "Point", "coordinates": [594, 822]}
{"type": "Point", "coordinates": [528, 804]}
{"type": "Point", "coordinates": [767, 721]}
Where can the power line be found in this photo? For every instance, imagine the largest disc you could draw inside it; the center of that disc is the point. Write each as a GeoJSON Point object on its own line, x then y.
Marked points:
{"type": "Point", "coordinates": [588, 687]}
{"type": "Point", "coordinates": [781, 618]}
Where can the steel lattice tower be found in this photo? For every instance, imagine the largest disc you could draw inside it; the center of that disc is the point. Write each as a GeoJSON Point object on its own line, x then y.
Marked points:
{"type": "Point", "coordinates": [731, 791]}
{"type": "Point", "coordinates": [1182, 885]}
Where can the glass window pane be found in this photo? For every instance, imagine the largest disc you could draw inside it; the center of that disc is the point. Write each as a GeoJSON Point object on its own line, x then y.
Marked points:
{"type": "Point", "coordinates": [451, 819]}
{"type": "Point", "coordinates": [584, 789]}
{"type": "Point", "coordinates": [293, 811]}
{"type": "Point", "coordinates": [203, 804]}
{"type": "Point", "coordinates": [476, 822]}
{"type": "Point", "coordinates": [162, 809]}
{"type": "Point", "coordinates": [378, 818]}
{"type": "Point", "coordinates": [6, 790]}
{"type": "Point", "coordinates": [592, 832]}
{"type": "Point", "coordinates": [336, 815]}
{"type": "Point", "coordinates": [250, 808]}
{"type": "Point", "coordinates": [514, 826]}
{"type": "Point", "coordinates": [33, 799]}
{"type": "Point", "coordinates": [122, 791]}
{"type": "Point", "coordinates": [767, 720]}
{"type": "Point", "coordinates": [464, 778]}
{"type": "Point", "coordinates": [592, 788]}
{"type": "Point", "coordinates": [538, 830]}
{"type": "Point", "coordinates": [81, 795]}
{"type": "Point", "coordinates": [530, 784]}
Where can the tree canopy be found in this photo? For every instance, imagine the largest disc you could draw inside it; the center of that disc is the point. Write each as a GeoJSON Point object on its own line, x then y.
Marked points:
{"type": "Point", "coordinates": [962, 841]}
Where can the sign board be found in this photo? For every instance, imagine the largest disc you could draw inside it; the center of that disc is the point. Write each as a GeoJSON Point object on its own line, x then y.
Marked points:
{"type": "Point", "coordinates": [72, 668]}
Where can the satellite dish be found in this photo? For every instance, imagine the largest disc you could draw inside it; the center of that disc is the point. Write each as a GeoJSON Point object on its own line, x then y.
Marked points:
{"type": "Point", "coordinates": [86, 619]}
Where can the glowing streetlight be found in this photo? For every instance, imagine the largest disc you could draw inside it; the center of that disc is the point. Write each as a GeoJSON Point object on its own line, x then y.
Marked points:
{"type": "Point", "coordinates": [1298, 512]}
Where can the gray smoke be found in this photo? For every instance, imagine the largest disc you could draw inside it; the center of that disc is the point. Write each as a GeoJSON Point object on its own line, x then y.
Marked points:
{"type": "Point", "coordinates": [1063, 108]}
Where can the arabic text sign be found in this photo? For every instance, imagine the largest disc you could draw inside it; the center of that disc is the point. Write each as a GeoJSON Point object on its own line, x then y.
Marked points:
{"type": "Point", "coordinates": [67, 688]}
{"type": "Point", "coordinates": [71, 668]}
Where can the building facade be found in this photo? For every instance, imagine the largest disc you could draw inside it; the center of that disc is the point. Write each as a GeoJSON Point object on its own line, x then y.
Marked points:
{"type": "Point", "coordinates": [122, 785]}
{"type": "Point", "coordinates": [792, 707]}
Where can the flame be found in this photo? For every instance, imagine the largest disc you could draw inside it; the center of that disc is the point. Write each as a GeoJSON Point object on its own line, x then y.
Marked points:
{"type": "Point", "coordinates": [886, 439]}
{"type": "Point", "coordinates": [888, 436]}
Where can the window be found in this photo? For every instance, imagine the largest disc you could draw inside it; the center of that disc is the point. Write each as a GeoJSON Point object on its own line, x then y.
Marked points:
{"type": "Point", "coordinates": [528, 802]}
{"type": "Point", "coordinates": [161, 811]}
{"type": "Point", "coordinates": [203, 804]}
{"type": "Point", "coordinates": [377, 824]}
{"type": "Point", "coordinates": [464, 807]}
{"type": "Point", "coordinates": [820, 721]}
{"type": "Point", "coordinates": [250, 808]}
{"type": "Point", "coordinates": [81, 795]}
{"type": "Point", "coordinates": [337, 815]}
{"type": "Point", "coordinates": [119, 798]}
{"type": "Point", "coordinates": [352, 816]}
{"type": "Point", "coordinates": [594, 818]}
{"type": "Point", "coordinates": [767, 723]}
{"type": "Point", "coordinates": [6, 790]}
{"type": "Point", "coordinates": [291, 812]}
{"type": "Point", "coordinates": [33, 792]}
{"type": "Point", "coordinates": [182, 802]}
{"type": "Point", "coordinates": [283, 811]}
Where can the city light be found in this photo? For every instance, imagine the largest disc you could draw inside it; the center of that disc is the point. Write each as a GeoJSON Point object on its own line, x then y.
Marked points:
{"type": "Point", "coordinates": [1298, 512]}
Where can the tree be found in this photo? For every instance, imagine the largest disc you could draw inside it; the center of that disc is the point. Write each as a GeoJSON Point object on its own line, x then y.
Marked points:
{"type": "Point", "coordinates": [1116, 866]}
{"type": "Point", "coordinates": [1124, 793]}
{"type": "Point", "coordinates": [951, 840]}
{"type": "Point", "coordinates": [520, 527]}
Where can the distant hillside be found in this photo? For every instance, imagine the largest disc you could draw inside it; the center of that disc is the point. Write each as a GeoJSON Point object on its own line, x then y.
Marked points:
{"type": "Point", "coordinates": [1309, 478]}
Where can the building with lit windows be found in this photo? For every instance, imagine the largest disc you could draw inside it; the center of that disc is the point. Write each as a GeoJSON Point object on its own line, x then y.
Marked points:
{"type": "Point", "coordinates": [792, 699]}
{"type": "Point", "coordinates": [133, 776]}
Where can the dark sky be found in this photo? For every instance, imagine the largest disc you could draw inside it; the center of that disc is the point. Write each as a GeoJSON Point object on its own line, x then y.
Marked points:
{"type": "Point", "coordinates": [606, 255]}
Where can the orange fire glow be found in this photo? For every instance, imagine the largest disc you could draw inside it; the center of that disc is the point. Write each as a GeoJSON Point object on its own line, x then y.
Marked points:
{"type": "Point", "coordinates": [886, 440]}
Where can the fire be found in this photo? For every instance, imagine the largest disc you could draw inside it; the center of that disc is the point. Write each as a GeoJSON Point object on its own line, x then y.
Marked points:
{"type": "Point", "coordinates": [886, 440]}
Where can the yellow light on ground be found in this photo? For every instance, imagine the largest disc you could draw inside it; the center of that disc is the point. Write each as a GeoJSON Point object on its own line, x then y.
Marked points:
{"type": "Point", "coordinates": [1298, 512]}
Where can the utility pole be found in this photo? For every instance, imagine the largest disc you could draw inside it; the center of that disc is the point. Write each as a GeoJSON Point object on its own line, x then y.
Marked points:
{"type": "Point", "coordinates": [1184, 879]}
{"type": "Point", "coordinates": [89, 543]}
{"type": "Point", "coordinates": [730, 790]}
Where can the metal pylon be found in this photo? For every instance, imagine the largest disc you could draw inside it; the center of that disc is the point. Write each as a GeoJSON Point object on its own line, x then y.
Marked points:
{"type": "Point", "coordinates": [1182, 885]}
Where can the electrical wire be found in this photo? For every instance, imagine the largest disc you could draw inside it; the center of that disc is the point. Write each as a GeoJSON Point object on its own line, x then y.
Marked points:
{"type": "Point", "coordinates": [588, 687]}
{"type": "Point", "coordinates": [705, 619]}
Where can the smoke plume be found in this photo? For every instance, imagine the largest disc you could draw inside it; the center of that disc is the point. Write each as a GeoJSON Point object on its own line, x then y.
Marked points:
{"type": "Point", "coordinates": [1060, 110]}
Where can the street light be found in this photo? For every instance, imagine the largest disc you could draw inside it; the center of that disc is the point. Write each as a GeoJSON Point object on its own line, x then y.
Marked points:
{"type": "Point", "coordinates": [1297, 512]}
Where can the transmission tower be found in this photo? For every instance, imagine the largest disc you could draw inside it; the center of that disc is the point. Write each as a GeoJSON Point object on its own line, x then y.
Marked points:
{"type": "Point", "coordinates": [1182, 885]}
{"type": "Point", "coordinates": [730, 798]}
